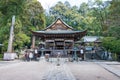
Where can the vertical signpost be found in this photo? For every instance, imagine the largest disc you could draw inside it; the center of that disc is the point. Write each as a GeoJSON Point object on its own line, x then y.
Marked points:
{"type": "Point", "coordinates": [9, 55]}
{"type": "Point", "coordinates": [11, 35]}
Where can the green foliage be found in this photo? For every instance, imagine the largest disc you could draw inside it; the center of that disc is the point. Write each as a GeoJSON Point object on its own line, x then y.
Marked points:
{"type": "Point", "coordinates": [114, 31]}
{"type": "Point", "coordinates": [106, 42]}
{"type": "Point", "coordinates": [114, 19]}
{"type": "Point", "coordinates": [116, 46]}
{"type": "Point", "coordinates": [112, 44]}
{"type": "Point", "coordinates": [21, 40]}
{"type": "Point", "coordinates": [1, 56]}
{"type": "Point", "coordinates": [11, 7]}
{"type": "Point", "coordinates": [29, 16]}
{"type": "Point", "coordinates": [35, 15]}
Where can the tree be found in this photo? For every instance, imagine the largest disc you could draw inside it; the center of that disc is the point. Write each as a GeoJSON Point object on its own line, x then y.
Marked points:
{"type": "Point", "coordinates": [114, 18]}
{"type": "Point", "coordinates": [29, 16]}
{"type": "Point", "coordinates": [69, 14]}
{"type": "Point", "coordinates": [35, 14]}
{"type": "Point", "coordinates": [99, 10]}
{"type": "Point", "coordinates": [107, 42]}
{"type": "Point", "coordinates": [8, 9]}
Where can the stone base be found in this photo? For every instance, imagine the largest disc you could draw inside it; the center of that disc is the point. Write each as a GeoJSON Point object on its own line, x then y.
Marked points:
{"type": "Point", "coordinates": [9, 56]}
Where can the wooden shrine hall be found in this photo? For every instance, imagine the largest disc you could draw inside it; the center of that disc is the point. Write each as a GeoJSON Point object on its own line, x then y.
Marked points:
{"type": "Point", "coordinates": [58, 37]}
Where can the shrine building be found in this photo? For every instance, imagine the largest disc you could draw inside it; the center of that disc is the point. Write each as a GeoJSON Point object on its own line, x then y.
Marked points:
{"type": "Point", "coordinates": [58, 37]}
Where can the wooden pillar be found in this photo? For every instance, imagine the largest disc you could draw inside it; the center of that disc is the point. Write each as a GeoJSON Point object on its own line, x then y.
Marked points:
{"type": "Point", "coordinates": [45, 44]}
{"type": "Point", "coordinates": [54, 44]}
{"type": "Point", "coordinates": [73, 44]}
{"type": "Point", "coordinates": [33, 41]}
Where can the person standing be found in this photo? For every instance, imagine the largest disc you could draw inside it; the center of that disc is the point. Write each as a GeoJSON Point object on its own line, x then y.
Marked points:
{"type": "Point", "coordinates": [35, 54]}
{"type": "Point", "coordinates": [82, 53]}
{"type": "Point", "coordinates": [93, 53]}
{"type": "Point", "coordinates": [30, 55]}
{"type": "Point", "coordinates": [26, 56]}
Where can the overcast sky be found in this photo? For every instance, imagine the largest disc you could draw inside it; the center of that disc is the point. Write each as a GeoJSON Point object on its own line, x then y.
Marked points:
{"type": "Point", "coordinates": [48, 3]}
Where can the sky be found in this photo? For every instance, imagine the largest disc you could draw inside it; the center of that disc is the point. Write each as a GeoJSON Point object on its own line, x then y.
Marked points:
{"type": "Point", "coordinates": [49, 3]}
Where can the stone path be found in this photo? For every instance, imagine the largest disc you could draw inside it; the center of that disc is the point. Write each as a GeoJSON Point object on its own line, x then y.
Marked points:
{"type": "Point", "coordinates": [113, 67]}
{"type": "Point", "coordinates": [60, 72]}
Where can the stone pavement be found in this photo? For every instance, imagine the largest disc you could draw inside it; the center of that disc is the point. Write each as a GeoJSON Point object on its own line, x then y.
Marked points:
{"type": "Point", "coordinates": [32, 70]}
{"type": "Point", "coordinates": [42, 70]}
{"type": "Point", "coordinates": [5, 63]}
{"type": "Point", "coordinates": [23, 71]}
{"type": "Point", "coordinates": [59, 72]}
{"type": "Point", "coordinates": [89, 70]}
{"type": "Point", "coordinates": [111, 66]}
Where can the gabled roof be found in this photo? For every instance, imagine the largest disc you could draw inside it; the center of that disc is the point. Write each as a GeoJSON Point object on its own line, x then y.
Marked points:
{"type": "Point", "coordinates": [60, 22]}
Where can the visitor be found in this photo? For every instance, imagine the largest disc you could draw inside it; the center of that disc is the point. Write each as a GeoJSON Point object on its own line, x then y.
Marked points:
{"type": "Point", "coordinates": [82, 53]}
{"type": "Point", "coordinates": [92, 56]}
{"type": "Point", "coordinates": [26, 56]}
{"type": "Point", "coordinates": [30, 55]}
{"type": "Point", "coordinates": [35, 54]}
{"type": "Point", "coordinates": [93, 53]}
